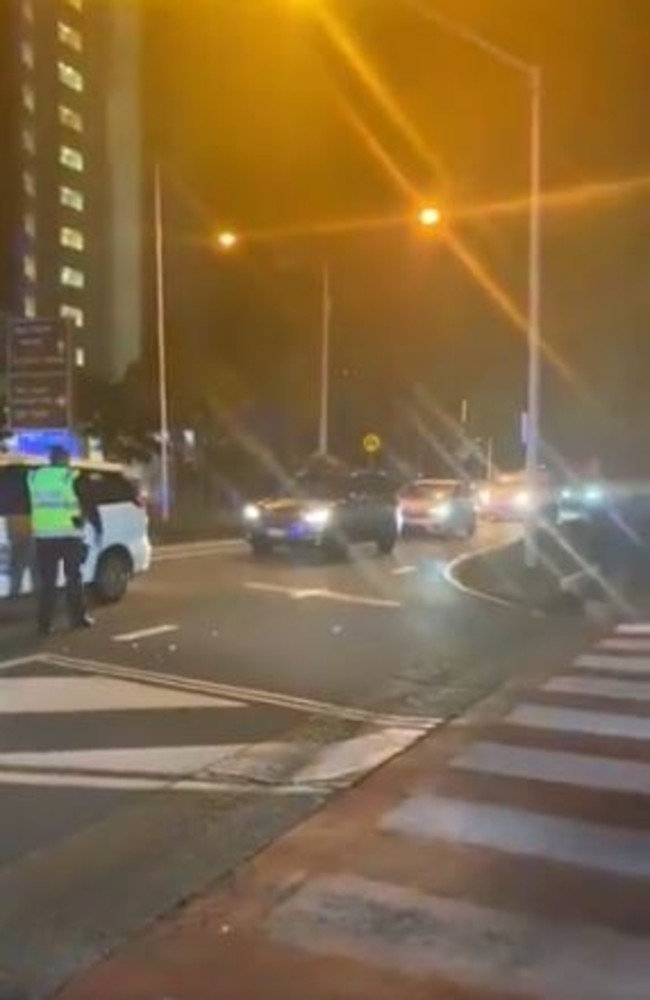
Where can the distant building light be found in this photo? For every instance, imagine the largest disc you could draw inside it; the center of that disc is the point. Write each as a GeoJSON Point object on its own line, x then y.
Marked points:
{"type": "Point", "coordinates": [79, 357]}
{"type": "Point", "coordinates": [27, 9]}
{"type": "Point", "coordinates": [73, 313]}
{"type": "Point", "coordinates": [72, 277]}
{"type": "Point", "coordinates": [77, 4]}
{"type": "Point", "coordinates": [69, 36]}
{"type": "Point", "coordinates": [29, 306]}
{"type": "Point", "coordinates": [71, 77]}
{"type": "Point", "coordinates": [29, 97]}
{"type": "Point", "coordinates": [70, 119]}
{"type": "Point", "coordinates": [27, 54]}
{"type": "Point", "coordinates": [73, 239]}
{"type": "Point", "coordinates": [71, 198]}
{"type": "Point", "coordinates": [29, 266]}
{"type": "Point", "coordinates": [29, 183]}
{"type": "Point", "coordinates": [29, 224]}
{"type": "Point", "coordinates": [29, 140]}
{"type": "Point", "coordinates": [71, 158]}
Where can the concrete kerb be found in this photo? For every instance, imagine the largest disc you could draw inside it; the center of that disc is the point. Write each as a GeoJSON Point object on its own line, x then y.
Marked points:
{"type": "Point", "coordinates": [453, 570]}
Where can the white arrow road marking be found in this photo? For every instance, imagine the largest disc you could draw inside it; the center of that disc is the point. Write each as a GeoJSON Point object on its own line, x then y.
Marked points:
{"type": "Point", "coordinates": [145, 633]}
{"type": "Point", "coordinates": [343, 597]}
{"type": "Point", "coordinates": [54, 695]}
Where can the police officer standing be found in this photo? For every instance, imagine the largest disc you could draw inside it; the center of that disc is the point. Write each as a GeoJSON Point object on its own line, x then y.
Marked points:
{"type": "Point", "coordinates": [59, 511]}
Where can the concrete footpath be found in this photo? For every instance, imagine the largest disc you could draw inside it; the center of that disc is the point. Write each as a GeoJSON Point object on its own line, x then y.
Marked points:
{"type": "Point", "coordinates": [507, 855]}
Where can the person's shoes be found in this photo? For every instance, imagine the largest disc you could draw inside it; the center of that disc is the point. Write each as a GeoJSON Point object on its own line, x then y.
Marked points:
{"type": "Point", "coordinates": [85, 622]}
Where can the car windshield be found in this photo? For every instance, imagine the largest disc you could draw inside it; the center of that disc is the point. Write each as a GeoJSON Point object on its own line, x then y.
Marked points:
{"type": "Point", "coordinates": [321, 487]}
{"type": "Point", "coordinates": [421, 491]}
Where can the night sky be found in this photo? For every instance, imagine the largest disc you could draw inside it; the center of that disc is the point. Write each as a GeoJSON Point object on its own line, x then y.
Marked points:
{"type": "Point", "coordinates": [252, 108]}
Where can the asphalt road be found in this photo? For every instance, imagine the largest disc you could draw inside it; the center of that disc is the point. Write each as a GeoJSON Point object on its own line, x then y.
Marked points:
{"type": "Point", "coordinates": [222, 701]}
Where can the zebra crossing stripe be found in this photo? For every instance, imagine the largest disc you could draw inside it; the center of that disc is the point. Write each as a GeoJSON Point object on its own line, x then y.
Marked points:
{"type": "Point", "coordinates": [626, 645]}
{"type": "Point", "coordinates": [574, 720]}
{"type": "Point", "coordinates": [623, 664]}
{"type": "Point", "coordinates": [634, 628]}
{"type": "Point", "coordinates": [538, 764]}
{"type": "Point", "coordinates": [615, 850]}
{"type": "Point", "coordinates": [600, 687]}
{"type": "Point", "coordinates": [477, 947]}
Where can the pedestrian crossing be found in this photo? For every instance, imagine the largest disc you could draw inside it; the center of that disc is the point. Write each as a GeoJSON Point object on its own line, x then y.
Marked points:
{"type": "Point", "coordinates": [520, 867]}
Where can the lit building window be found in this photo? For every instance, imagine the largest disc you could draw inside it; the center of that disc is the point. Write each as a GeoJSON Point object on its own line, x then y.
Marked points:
{"type": "Point", "coordinates": [29, 140]}
{"type": "Point", "coordinates": [70, 119]}
{"type": "Point", "coordinates": [29, 267]}
{"type": "Point", "coordinates": [27, 54]}
{"type": "Point", "coordinates": [29, 183]}
{"type": "Point", "coordinates": [72, 313]}
{"type": "Point", "coordinates": [71, 198]}
{"type": "Point", "coordinates": [77, 4]}
{"type": "Point", "coordinates": [71, 77]}
{"type": "Point", "coordinates": [79, 357]}
{"type": "Point", "coordinates": [69, 36]}
{"type": "Point", "coordinates": [27, 8]}
{"type": "Point", "coordinates": [29, 306]}
{"type": "Point", "coordinates": [72, 277]}
{"type": "Point", "coordinates": [29, 98]}
{"type": "Point", "coordinates": [71, 158]}
{"type": "Point", "coordinates": [71, 238]}
{"type": "Point", "coordinates": [29, 224]}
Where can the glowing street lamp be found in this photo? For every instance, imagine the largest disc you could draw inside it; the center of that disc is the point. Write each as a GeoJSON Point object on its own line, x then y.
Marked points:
{"type": "Point", "coordinates": [227, 240]}
{"type": "Point", "coordinates": [429, 217]}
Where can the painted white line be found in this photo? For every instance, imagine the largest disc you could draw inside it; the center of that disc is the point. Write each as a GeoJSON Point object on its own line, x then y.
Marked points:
{"type": "Point", "coordinates": [214, 689]}
{"type": "Point", "coordinates": [600, 687]}
{"type": "Point", "coordinates": [340, 761]}
{"type": "Point", "coordinates": [60, 695]}
{"type": "Point", "coordinates": [19, 661]}
{"type": "Point", "coordinates": [145, 633]}
{"type": "Point", "coordinates": [538, 764]}
{"type": "Point", "coordinates": [197, 551]}
{"type": "Point", "coordinates": [130, 784]}
{"type": "Point", "coordinates": [623, 645]}
{"type": "Point", "coordinates": [615, 850]}
{"type": "Point", "coordinates": [451, 570]}
{"type": "Point", "coordinates": [475, 947]}
{"type": "Point", "coordinates": [633, 664]}
{"type": "Point", "coordinates": [634, 628]}
{"type": "Point", "coordinates": [404, 570]}
{"type": "Point", "coordinates": [322, 593]}
{"type": "Point", "coordinates": [573, 720]}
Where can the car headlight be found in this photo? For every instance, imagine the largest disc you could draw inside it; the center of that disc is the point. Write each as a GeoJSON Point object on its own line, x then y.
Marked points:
{"type": "Point", "coordinates": [485, 497]}
{"type": "Point", "coordinates": [251, 512]}
{"type": "Point", "coordinates": [317, 517]}
{"type": "Point", "coordinates": [442, 510]}
{"type": "Point", "coordinates": [522, 499]}
{"type": "Point", "coordinates": [594, 494]}
{"type": "Point", "coordinates": [567, 494]}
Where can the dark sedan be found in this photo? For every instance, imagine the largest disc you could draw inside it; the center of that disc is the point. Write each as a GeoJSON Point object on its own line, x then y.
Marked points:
{"type": "Point", "coordinates": [329, 512]}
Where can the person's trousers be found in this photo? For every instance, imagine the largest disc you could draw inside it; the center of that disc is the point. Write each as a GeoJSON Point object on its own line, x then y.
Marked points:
{"type": "Point", "coordinates": [51, 553]}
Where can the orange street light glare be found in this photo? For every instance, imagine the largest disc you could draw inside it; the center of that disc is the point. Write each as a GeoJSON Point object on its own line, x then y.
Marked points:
{"type": "Point", "coordinates": [429, 217]}
{"type": "Point", "coordinates": [227, 240]}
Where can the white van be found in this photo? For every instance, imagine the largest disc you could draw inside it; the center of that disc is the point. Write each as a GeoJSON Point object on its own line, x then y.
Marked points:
{"type": "Point", "coordinates": [125, 548]}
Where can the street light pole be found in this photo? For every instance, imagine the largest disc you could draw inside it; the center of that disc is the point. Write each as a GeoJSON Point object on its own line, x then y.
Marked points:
{"type": "Point", "coordinates": [534, 75]}
{"type": "Point", "coordinates": [326, 324]}
{"type": "Point", "coordinates": [162, 346]}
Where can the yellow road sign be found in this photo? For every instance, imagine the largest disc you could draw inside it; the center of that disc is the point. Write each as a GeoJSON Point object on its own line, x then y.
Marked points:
{"type": "Point", "coordinates": [371, 444]}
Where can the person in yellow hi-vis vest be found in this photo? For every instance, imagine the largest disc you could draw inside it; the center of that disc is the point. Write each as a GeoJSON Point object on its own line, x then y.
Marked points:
{"type": "Point", "coordinates": [58, 513]}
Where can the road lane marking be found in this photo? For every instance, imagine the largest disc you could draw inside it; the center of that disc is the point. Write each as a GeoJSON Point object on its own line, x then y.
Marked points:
{"type": "Point", "coordinates": [59, 695]}
{"type": "Point", "coordinates": [634, 628]}
{"type": "Point", "coordinates": [197, 550]}
{"type": "Point", "coordinates": [538, 764]}
{"type": "Point", "coordinates": [322, 593]}
{"type": "Point", "coordinates": [600, 687]}
{"type": "Point", "coordinates": [404, 570]}
{"type": "Point", "coordinates": [234, 692]}
{"type": "Point", "coordinates": [145, 633]}
{"type": "Point", "coordinates": [617, 664]}
{"type": "Point", "coordinates": [19, 661]}
{"type": "Point", "coordinates": [476, 947]}
{"type": "Point", "coordinates": [615, 850]}
{"type": "Point", "coordinates": [127, 783]}
{"type": "Point", "coordinates": [573, 720]}
{"type": "Point", "coordinates": [623, 645]}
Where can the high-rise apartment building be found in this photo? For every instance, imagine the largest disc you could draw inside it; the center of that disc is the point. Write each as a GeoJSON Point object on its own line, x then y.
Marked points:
{"type": "Point", "coordinates": [70, 172]}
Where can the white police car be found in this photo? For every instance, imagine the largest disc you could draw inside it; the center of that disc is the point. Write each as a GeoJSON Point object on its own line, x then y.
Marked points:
{"type": "Point", "coordinates": [125, 547]}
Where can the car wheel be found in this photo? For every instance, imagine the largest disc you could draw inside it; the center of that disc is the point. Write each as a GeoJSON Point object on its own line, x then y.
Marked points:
{"type": "Point", "coordinates": [261, 547]}
{"type": "Point", "coordinates": [112, 576]}
{"type": "Point", "coordinates": [386, 543]}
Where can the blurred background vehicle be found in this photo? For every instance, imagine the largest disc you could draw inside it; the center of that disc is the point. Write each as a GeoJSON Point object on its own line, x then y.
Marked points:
{"type": "Point", "coordinates": [442, 507]}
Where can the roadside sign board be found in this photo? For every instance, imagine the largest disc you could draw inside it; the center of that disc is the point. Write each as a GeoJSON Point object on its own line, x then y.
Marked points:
{"type": "Point", "coordinates": [371, 444]}
{"type": "Point", "coordinates": [39, 374]}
